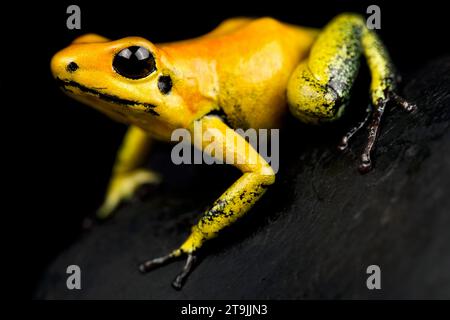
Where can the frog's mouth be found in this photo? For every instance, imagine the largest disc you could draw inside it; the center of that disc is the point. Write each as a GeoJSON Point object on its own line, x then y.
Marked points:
{"type": "Point", "coordinates": [67, 84]}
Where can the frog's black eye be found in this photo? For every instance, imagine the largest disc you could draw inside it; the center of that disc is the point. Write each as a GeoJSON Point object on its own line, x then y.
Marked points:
{"type": "Point", "coordinates": [164, 84]}
{"type": "Point", "coordinates": [134, 62]}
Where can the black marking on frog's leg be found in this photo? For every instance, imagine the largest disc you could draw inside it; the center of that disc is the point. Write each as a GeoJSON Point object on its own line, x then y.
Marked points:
{"type": "Point", "coordinates": [66, 85]}
{"type": "Point", "coordinates": [187, 269]}
{"type": "Point", "coordinates": [152, 264]}
{"type": "Point", "coordinates": [345, 139]}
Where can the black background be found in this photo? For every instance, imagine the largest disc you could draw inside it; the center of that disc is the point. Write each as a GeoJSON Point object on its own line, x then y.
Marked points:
{"type": "Point", "coordinates": [70, 148]}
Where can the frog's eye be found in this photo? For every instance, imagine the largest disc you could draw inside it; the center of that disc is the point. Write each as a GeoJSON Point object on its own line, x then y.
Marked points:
{"type": "Point", "coordinates": [134, 62]}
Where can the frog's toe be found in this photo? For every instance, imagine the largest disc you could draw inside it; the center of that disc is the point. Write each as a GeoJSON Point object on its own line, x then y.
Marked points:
{"type": "Point", "coordinates": [402, 102]}
{"type": "Point", "coordinates": [343, 144]}
{"type": "Point", "coordinates": [180, 279]}
{"type": "Point", "coordinates": [376, 113]}
{"type": "Point", "coordinates": [187, 269]}
{"type": "Point", "coordinates": [366, 164]}
{"type": "Point", "coordinates": [152, 264]}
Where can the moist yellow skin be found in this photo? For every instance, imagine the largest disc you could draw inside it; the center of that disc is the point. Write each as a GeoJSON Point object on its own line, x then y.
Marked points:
{"type": "Point", "coordinates": [253, 70]}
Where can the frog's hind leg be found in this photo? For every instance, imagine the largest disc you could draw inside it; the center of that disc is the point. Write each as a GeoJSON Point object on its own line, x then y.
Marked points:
{"type": "Point", "coordinates": [319, 88]}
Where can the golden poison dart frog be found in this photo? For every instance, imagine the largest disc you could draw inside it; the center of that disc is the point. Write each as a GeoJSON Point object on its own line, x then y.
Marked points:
{"type": "Point", "coordinates": [252, 71]}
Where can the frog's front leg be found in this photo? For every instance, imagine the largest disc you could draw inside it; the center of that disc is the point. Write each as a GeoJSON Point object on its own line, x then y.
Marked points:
{"type": "Point", "coordinates": [319, 88]}
{"type": "Point", "coordinates": [235, 202]}
{"type": "Point", "coordinates": [128, 174]}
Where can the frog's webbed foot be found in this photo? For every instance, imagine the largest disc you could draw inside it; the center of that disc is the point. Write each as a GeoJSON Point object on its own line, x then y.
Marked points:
{"type": "Point", "coordinates": [374, 127]}
{"type": "Point", "coordinates": [180, 279]}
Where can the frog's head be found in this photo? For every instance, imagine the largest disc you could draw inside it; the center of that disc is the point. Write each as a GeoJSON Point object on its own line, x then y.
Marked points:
{"type": "Point", "coordinates": [129, 79]}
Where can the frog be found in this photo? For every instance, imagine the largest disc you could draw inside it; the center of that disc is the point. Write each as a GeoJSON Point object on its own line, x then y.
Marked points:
{"type": "Point", "coordinates": [246, 73]}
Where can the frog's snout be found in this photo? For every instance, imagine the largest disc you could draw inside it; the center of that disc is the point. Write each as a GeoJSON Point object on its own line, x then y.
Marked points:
{"type": "Point", "coordinates": [62, 65]}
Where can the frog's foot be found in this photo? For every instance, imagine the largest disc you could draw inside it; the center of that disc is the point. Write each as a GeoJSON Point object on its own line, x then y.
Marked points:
{"type": "Point", "coordinates": [123, 187]}
{"type": "Point", "coordinates": [374, 127]}
{"type": "Point", "coordinates": [343, 145]}
{"type": "Point", "coordinates": [158, 262]}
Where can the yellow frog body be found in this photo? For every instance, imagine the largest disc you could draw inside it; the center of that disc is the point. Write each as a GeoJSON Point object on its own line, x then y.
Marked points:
{"type": "Point", "coordinates": [246, 73]}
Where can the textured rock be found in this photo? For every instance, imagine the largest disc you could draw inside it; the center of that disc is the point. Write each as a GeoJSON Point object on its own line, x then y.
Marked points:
{"type": "Point", "coordinates": [311, 236]}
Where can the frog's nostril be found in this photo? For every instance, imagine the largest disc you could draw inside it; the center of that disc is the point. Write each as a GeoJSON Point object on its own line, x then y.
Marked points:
{"type": "Point", "coordinates": [72, 67]}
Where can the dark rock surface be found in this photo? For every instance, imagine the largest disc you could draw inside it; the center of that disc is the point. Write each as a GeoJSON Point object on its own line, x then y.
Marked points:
{"type": "Point", "coordinates": [311, 236]}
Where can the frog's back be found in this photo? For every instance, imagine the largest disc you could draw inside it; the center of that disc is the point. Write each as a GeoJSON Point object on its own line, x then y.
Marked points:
{"type": "Point", "coordinates": [252, 60]}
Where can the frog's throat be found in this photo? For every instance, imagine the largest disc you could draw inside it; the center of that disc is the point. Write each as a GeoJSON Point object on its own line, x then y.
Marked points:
{"type": "Point", "coordinates": [67, 84]}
